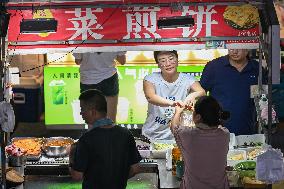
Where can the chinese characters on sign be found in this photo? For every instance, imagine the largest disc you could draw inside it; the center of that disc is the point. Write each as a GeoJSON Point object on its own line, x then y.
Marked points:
{"type": "Point", "coordinates": [120, 23]}
{"type": "Point", "coordinates": [85, 23]}
{"type": "Point", "coordinates": [141, 22]}
{"type": "Point", "coordinates": [203, 16]}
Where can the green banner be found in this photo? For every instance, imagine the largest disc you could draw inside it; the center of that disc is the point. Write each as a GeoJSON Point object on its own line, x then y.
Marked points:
{"type": "Point", "coordinates": [61, 92]}
{"type": "Point", "coordinates": [62, 89]}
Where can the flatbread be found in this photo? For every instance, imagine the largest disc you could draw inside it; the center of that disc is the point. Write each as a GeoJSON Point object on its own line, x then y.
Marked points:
{"type": "Point", "coordinates": [241, 17]}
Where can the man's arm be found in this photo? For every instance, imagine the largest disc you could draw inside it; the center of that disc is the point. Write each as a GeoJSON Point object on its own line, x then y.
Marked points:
{"type": "Point", "coordinates": [76, 175]}
{"type": "Point", "coordinates": [76, 155]}
{"type": "Point", "coordinates": [134, 169]}
{"type": "Point", "coordinates": [121, 59]}
{"type": "Point", "coordinates": [78, 58]}
{"type": "Point", "coordinates": [78, 61]}
{"type": "Point", "coordinates": [206, 80]}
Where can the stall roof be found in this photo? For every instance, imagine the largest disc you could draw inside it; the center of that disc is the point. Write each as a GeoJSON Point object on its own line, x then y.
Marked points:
{"type": "Point", "coordinates": [133, 26]}
{"type": "Point", "coordinates": [131, 1]}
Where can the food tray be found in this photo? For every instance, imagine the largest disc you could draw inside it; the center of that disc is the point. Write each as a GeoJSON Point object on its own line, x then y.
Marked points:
{"type": "Point", "coordinates": [53, 139]}
{"type": "Point", "coordinates": [29, 157]}
{"type": "Point", "coordinates": [160, 154]}
{"type": "Point", "coordinates": [56, 146]}
{"type": "Point", "coordinates": [232, 161]}
{"type": "Point", "coordinates": [253, 152]}
{"type": "Point", "coordinates": [256, 138]}
{"type": "Point", "coordinates": [236, 155]}
{"type": "Point", "coordinates": [145, 150]}
{"type": "Point", "coordinates": [145, 153]}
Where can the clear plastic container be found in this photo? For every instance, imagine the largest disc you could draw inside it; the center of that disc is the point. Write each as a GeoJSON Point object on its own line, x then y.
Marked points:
{"type": "Point", "coordinates": [186, 118]}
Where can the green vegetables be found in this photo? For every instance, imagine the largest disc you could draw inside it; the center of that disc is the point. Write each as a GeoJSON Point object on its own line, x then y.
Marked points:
{"type": "Point", "coordinates": [245, 165]}
{"type": "Point", "coordinates": [246, 168]}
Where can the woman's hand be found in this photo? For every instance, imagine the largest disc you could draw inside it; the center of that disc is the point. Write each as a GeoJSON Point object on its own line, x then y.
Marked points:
{"type": "Point", "coordinates": [179, 106]}
{"type": "Point", "coordinates": [189, 102]}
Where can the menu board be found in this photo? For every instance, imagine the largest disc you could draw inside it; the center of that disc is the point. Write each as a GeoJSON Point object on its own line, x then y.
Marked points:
{"type": "Point", "coordinates": [62, 89]}
{"type": "Point", "coordinates": [61, 92]}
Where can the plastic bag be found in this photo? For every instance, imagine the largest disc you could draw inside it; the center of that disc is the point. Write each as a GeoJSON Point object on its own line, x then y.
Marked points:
{"type": "Point", "coordinates": [186, 118]}
{"type": "Point", "coordinates": [270, 166]}
{"type": "Point", "coordinates": [7, 117]}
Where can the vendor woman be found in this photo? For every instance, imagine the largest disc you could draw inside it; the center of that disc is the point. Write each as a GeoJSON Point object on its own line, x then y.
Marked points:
{"type": "Point", "coordinates": [163, 90]}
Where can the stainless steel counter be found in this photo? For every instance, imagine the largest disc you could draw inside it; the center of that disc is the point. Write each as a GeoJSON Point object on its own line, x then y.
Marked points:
{"type": "Point", "coordinates": [141, 181]}
{"type": "Point", "coordinates": [167, 179]}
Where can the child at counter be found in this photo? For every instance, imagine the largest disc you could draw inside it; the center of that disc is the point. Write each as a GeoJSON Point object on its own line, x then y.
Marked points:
{"type": "Point", "coordinates": [204, 147]}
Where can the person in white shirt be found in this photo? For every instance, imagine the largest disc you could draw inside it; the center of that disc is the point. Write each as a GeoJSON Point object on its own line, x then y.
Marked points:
{"type": "Point", "coordinates": [164, 90]}
{"type": "Point", "coordinates": [98, 71]}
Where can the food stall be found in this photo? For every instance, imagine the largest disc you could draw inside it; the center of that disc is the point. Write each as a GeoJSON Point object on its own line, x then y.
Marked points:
{"type": "Point", "coordinates": [137, 25]}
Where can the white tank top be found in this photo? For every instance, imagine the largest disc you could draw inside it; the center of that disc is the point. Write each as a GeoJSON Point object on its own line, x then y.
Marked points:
{"type": "Point", "coordinates": [156, 125]}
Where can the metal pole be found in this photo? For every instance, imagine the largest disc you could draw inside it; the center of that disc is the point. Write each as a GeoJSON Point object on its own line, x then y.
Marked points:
{"type": "Point", "coordinates": [3, 134]}
{"type": "Point", "coordinates": [3, 158]}
{"type": "Point", "coordinates": [269, 64]}
{"type": "Point", "coordinates": [259, 81]}
{"type": "Point", "coordinates": [2, 89]}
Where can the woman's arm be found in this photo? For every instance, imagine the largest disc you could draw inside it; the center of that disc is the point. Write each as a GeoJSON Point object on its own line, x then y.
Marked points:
{"type": "Point", "coordinates": [150, 94]}
{"type": "Point", "coordinates": [197, 92]}
{"type": "Point", "coordinates": [176, 118]}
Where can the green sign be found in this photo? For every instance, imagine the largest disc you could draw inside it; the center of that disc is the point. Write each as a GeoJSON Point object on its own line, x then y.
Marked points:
{"type": "Point", "coordinates": [62, 89]}
{"type": "Point", "coordinates": [61, 92]}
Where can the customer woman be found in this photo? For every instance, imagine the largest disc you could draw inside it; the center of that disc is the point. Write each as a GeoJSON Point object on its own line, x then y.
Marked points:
{"type": "Point", "coordinates": [204, 147]}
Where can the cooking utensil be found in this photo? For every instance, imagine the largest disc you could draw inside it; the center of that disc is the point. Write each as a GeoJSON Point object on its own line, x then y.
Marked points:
{"type": "Point", "coordinates": [56, 146]}
{"type": "Point", "coordinates": [31, 157]}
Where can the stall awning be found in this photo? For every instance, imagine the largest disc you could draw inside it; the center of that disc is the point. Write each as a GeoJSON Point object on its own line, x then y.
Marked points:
{"type": "Point", "coordinates": [89, 27]}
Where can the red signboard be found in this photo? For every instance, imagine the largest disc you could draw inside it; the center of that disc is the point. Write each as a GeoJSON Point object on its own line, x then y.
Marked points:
{"type": "Point", "coordinates": [97, 27]}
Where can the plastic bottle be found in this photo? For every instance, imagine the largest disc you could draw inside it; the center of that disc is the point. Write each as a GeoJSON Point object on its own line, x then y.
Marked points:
{"type": "Point", "coordinates": [176, 156]}
{"type": "Point", "coordinates": [169, 159]}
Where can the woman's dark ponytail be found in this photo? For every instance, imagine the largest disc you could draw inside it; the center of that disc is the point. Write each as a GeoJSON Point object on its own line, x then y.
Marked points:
{"type": "Point", "coordinates": [224, 115]}
{"type": "Point", "coordinates": [210, 111]}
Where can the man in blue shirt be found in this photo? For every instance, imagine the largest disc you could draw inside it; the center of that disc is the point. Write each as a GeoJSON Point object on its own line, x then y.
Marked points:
{"type": "Point", "coordinates": [228, 79]}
